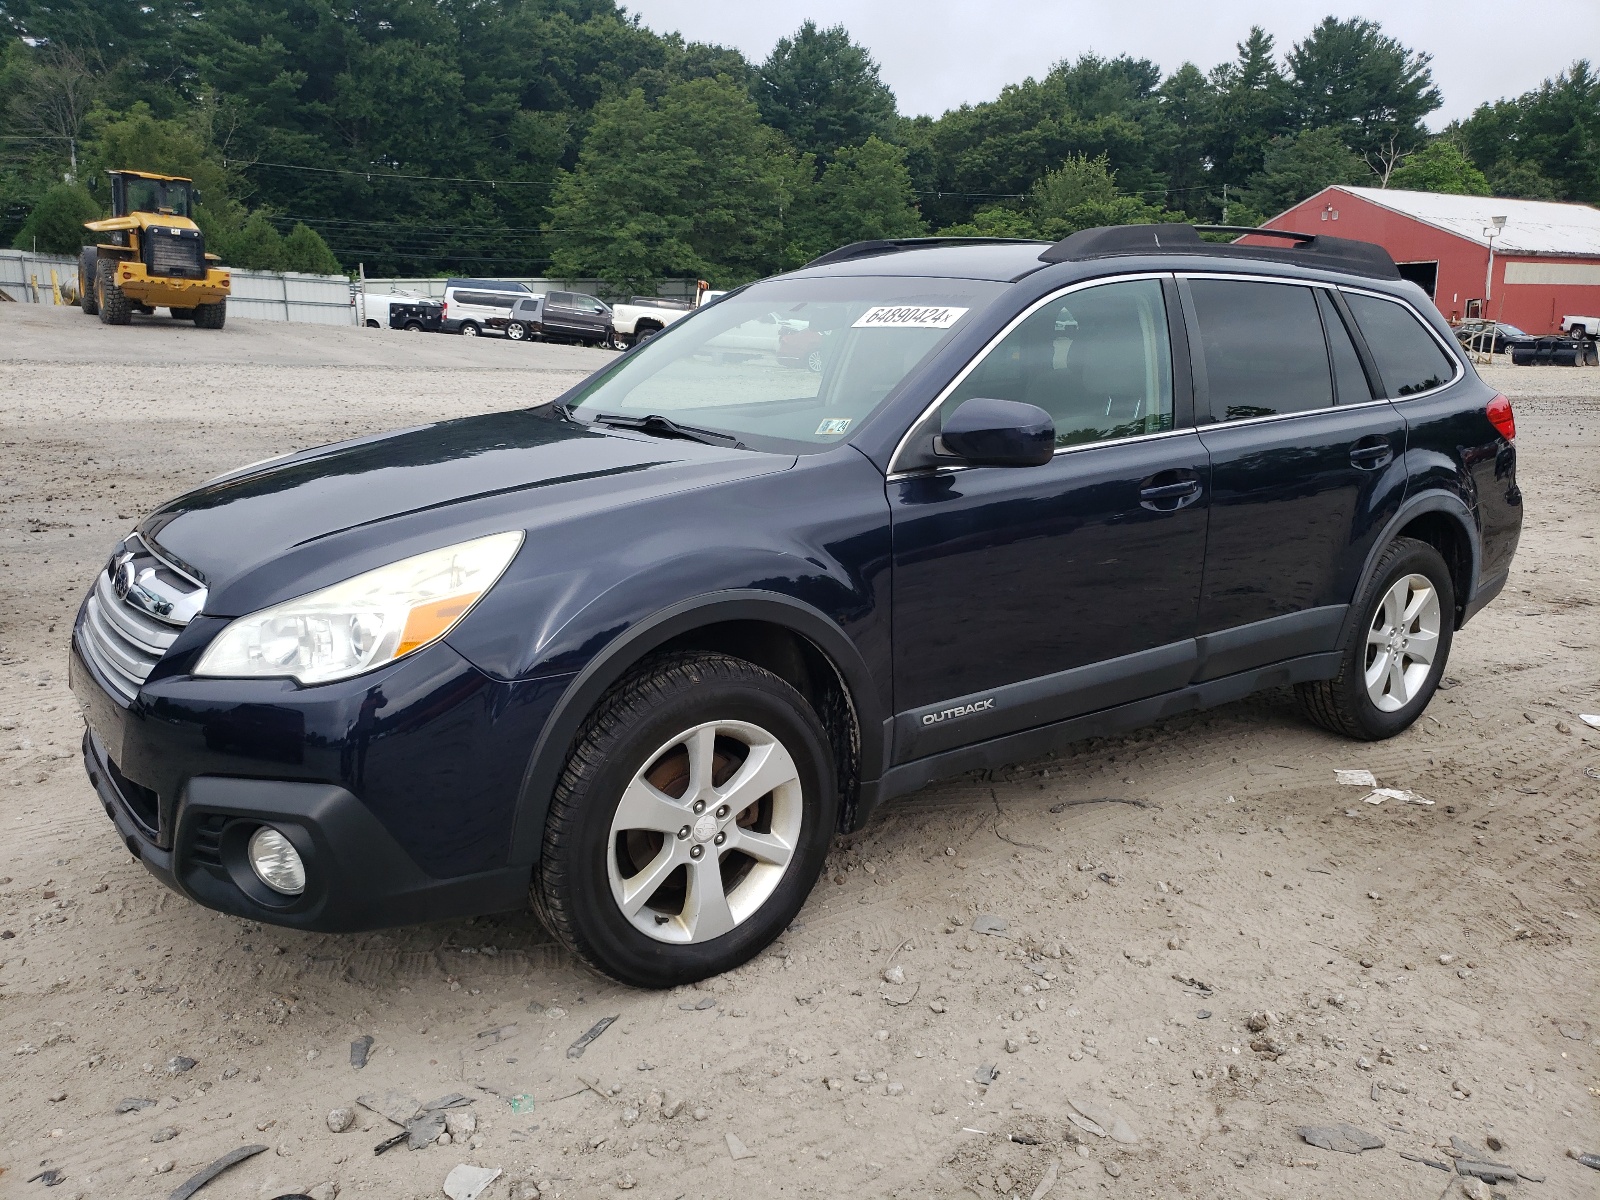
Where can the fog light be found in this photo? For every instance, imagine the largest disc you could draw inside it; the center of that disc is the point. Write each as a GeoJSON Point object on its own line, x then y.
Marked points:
{"type": "Point", "coordinates": [276, 863]}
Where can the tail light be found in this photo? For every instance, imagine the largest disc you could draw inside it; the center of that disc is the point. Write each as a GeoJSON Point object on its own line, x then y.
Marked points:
{"type": "Point", "coordinates": [1502, 418]}
{"type": "Point", "coordinates": [444, 310]}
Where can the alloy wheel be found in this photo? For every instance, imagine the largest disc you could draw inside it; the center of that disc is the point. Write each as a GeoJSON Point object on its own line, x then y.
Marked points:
{"type": "Point", "coordinates": [704, 832]}
{"type": "Point", "coordinates": [1402, 642]}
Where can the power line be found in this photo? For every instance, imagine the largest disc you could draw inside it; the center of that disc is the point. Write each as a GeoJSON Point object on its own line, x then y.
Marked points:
{"type": "Point", "coordinates": [386, 174]}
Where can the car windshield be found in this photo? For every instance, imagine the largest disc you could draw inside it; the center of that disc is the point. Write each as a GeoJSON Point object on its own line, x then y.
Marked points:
{"type": "Point", "coordinates": [791, 364]}
{"type": "Point", "coordinates": [158, 196]}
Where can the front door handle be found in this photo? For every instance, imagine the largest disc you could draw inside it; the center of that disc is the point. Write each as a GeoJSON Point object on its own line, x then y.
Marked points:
{"type": "Point", "coordinates": [1169, 491]}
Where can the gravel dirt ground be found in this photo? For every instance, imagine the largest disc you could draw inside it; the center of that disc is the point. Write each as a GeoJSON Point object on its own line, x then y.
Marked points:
{"type": "Point", "coordinates": [1203, 932]}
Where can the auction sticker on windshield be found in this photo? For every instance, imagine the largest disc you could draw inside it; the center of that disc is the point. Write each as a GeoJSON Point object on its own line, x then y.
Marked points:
{"type": "Point", "coordinates": [909, 317]}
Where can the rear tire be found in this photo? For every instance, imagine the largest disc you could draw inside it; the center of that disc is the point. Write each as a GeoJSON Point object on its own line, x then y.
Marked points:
{"type": "Point", "coordinates": [469, 330]}
{"type": "Point", "coordinates": [413, 326]}
{"type": "Point", "coordinates": [516, 331]}
{"type": "Point", "coordinates": [663, 787]}
{"type": "Point", "coordinates": [86, 281]}
{"type": "Point", "coordinates": [211, 316]}
{"type": "Point", "coordinates": [1399, 645]}
{"type": "Point", "coordinates": [111, 302]}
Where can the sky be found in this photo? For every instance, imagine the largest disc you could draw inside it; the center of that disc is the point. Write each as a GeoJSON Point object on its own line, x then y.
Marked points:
{"type": "Point", "coordinates": [940, 54]}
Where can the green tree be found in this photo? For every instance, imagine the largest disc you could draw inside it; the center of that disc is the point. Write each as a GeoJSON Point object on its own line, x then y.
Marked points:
{"type": "Point", "coordinates": [55, 226]}
{"type": "Point", "coordinates": [822, 91]}
{"type": "Point", "coordinates": [1349, 76]}
{"type": "Point", "coordinates": [1301, 166]}
{"type": "Point", "coordinates": [1440, 166]}
{"type": "Point", "coordinates": [304, 250]}
{"type": "Point", "coordinates": [1252, 106]}
{"type": "Point", "coordinates": [694, 185]}
{"type": "Point", "coordinates": [257, 246]}
{"type": "Point", "coordinates": [864, 193]}
{"type": "Point", "coordinates": [996, 221]}
{"type": "Point", "coordinates": [1081, 194]}
{"type": "Point", "coordinates": [1546, 143]}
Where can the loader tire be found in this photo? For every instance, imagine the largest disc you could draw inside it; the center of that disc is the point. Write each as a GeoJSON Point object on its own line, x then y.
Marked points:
{"type": "Point", "coordinates": [86, 298]}
{"type": "Point", "coordinates": [210, 316]}
{"type": "Point", "coordinates": [110, 301]}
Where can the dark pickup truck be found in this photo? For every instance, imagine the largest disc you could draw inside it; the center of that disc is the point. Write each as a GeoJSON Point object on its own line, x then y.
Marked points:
{"type": "Point", "coordinates": [421, 316]}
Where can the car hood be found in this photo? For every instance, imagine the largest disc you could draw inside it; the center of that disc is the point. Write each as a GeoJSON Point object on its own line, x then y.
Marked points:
{"type": "Point", "coordinates": [281, 528]}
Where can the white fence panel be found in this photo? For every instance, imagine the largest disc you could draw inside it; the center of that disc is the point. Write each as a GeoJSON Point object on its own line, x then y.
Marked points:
{"type": "Point", "coordinates": [290, 296]}
{"type": "Point", "coordinates": [25, 276]}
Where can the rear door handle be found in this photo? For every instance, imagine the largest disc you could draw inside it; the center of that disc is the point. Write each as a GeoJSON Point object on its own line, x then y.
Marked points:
{"type": "Point", "coordinates": [1371, 453]}
{"type": "Point", "coordinates": [1170, 496]}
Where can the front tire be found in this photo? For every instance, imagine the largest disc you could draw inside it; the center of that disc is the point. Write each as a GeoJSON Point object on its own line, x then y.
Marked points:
{"type": "Point", "coordinates": [111, 302]}
{"type": "Point", "coordinates": [211, 316]}
{"type": "Point", "coordinates": [690, 823]}
{"type": "Point", "coordinates": [1397, 651]}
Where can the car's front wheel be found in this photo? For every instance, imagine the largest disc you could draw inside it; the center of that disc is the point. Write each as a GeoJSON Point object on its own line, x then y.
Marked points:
{"type": "Point", "coordinates": [1397, 650]}
{"type": "Point", "coordinates": [690, 823]}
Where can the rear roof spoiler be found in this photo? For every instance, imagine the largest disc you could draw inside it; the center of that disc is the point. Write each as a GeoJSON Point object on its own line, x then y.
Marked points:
{"type": "Point", "coordinates": [1306, 249]}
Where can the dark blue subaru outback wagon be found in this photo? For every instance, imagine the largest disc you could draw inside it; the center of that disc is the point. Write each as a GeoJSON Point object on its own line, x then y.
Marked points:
{"type": "Point", "coordinates": [917, 508]}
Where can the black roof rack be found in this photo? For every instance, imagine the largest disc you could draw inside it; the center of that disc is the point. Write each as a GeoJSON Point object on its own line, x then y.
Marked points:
{"type": "Point", "coordinates": [893, 245]}
{"type": "Point", "coordinates": [1308, 250]}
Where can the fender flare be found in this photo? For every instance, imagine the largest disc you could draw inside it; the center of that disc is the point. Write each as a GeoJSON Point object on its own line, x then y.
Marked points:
{"type": "Point", "coordinates": [1410, 509]}
{"type": "Point", "coordinates": [590, 684]}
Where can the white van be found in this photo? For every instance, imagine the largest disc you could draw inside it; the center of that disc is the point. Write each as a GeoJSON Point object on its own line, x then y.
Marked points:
{"type": "Point", "coordinates": [472, 306]}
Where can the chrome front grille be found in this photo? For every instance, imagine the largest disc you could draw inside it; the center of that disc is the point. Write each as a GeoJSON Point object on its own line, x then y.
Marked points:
{"type": "Point", "coordinates": [137, 608]}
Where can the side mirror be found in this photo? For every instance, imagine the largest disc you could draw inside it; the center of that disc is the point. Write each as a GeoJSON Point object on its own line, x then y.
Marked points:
{"type": "Point", "coordinates": [999, 433]}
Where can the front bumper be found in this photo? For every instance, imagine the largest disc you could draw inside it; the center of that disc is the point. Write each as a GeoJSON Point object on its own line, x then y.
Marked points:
{"type": "Point", "coordinates": [164, 291]}
{"type": "Point", "coordinates": [399, 789]}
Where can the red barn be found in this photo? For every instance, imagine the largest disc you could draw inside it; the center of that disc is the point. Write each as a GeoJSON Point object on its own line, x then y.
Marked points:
{"type": "Point", "coordinates": [1546, 256]}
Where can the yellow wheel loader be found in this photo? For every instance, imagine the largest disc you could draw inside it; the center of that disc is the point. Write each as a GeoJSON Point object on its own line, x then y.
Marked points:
{"type": "Point", "coordinates": [153, 257]}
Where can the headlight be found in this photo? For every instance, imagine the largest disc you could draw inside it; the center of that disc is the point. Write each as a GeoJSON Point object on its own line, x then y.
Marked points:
{"type": "Point", "coordinates": [363, 622]}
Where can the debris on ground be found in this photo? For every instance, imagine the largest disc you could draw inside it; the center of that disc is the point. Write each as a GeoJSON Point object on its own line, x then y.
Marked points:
{"type": "Point", "coordinates": [340, 1119]}
{"type": "Point", "coordinates": [1047, 1180]}
{"type": "Point", "coordinates": [987, 1073]}
{"type": "Point", "coordinates": [49, 1178]}
{"type": "Point", "coordinates": [1590, 719]}
{"type": "Point", "coordinates": [990, 924]}
{"type": "Point", "coordinates": [1346, 1139]}
{"type": "Point", "coordinates": [467, 1182]}
{"type": "Point", "coordinates": [200, 1178]}
{"type": "Point", "coordinates": [360, 1049]}
{"type": "Point", "coordinates": [1582, 1156]}
{"type": "Point", "coordinates": [1364, 779]}
{"type": "Point", "coordinates": [737, 1149]}
{"type": "Point", "coordinates": [700, 1005]}
{"type": "Point", "coordinates": [133, 1104]}
{"type": "Point", "coordinates": [1379, 795]}
{"type": "Point", "coordinates": [1427, 1162]}
{"type": "Point", "coordinates": [578, 1047]}
{"type": "Point", "coordinates": [423, 1123]}
{"type": "Point", "coordinates": [493, 1037]}
{"type": "Point", "coordinates": [1101, 1121]}
{"type": "Point", "coordinates": [179, 1063]}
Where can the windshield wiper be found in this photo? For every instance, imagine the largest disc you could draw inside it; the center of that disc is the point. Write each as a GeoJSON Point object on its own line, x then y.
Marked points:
{"type": "Point", "coordinates": [655, 423]}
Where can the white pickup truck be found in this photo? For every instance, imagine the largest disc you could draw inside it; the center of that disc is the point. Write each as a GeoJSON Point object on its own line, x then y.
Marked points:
{"type": "Point", "coordinates": [1588, 327]}
{"type": "Point", "coordinates": [648, 316]}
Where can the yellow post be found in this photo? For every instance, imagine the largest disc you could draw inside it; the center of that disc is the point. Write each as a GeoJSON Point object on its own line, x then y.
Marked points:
{"type": "Point", "coordinates": [55, 288]}
{"type": "Point", "coordinates": [34, 281]}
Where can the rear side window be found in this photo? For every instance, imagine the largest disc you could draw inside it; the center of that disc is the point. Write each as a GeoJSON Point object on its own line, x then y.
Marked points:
{"type": "Point", "coordinates": [1408, 357]}
{"type": "Point", "coordinates": [1263, 348]}
{"type": "Point", "coordinates": [1349, 379]}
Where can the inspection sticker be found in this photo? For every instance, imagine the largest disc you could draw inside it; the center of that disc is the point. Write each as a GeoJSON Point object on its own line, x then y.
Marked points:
{"type": "Point", "coordinates": [909, 316]}
{"type": "Point", "coordinates": [833, 425]}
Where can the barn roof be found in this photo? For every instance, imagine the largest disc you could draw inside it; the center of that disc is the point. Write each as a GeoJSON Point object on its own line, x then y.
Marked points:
{"type": "Point", "coordinates": [1532, 226]}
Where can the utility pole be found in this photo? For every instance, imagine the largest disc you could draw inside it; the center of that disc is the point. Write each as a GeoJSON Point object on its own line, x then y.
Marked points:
{"type": "Point", "coordinates": [1496, 225]}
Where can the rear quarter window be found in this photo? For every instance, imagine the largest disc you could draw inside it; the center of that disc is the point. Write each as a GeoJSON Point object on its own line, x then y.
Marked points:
{"type": "Point", "coordinates": [1408, 357]}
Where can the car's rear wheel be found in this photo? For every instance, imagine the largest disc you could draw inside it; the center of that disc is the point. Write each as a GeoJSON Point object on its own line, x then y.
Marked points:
{"type": "Point", "coordinates": [690, 823]}
{"type": "Point", "coordinates": [413, 326]}
{"type": "Point", "coordinates": [1397, 650]}
{"type": "Point", "coordinates": [814, 362]}
{"type": "Point", "coordinates": [517, 331]}
{"type": "Point", "coordinates": [645, 334]}
{"type": "Point", "coordinates": [469, 330]}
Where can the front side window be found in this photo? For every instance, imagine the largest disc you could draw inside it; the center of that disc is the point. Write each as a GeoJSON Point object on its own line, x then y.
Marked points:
{"type": "Point", "coordinates": [1263, 348]}
{"type": "Point", "coordinates": [1408, 357]}
{"type": "Point", "coordinates": [792, 364]}
{"type": "Point", "coordinates": [1098, 360]}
